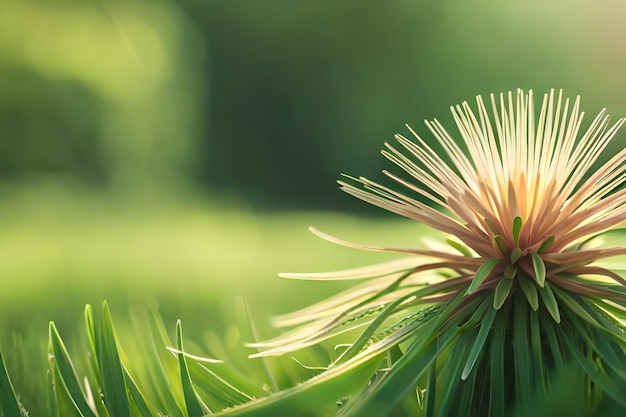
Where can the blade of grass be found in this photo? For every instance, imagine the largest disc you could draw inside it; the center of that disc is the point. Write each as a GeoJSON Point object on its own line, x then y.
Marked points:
{"type": "Point", "coordinates": [113, 383]}
{"type": "Point", "coordinates": [9, 405]}
{"type": "Point", "coordinates": [194, 409]}
{"type": "Point", "coordinates": [64, 397]}
{"type": "Point", "coordinates": [65, 367]}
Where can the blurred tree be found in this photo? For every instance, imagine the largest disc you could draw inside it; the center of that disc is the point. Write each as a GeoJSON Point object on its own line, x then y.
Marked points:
{"type": "Point", "coordinates": [272, 100]}
{"type": "Point", "coordinates": [105, 90]}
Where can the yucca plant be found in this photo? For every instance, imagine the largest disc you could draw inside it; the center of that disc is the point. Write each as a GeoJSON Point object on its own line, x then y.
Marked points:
{"type": "Point", "coordinates": [519, 298]}
{"type": "Point", "coordinates": [520, 293]}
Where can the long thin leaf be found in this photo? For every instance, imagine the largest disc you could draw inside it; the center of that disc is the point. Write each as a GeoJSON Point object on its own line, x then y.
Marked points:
{"type": "Point", "coordinates": [617, 391]}
{"type": "Point", "coordinates": [550, 302]}
{"type": "Point", "coordinates": [194, 409]}
{"type": "Point", "coordinates": [113, 382]}
{"type": "Point", "coordinates": [498, 383]}
{"type": "Point", "coordinates": [477, 348]}
{"type": "Point", "coordinates": [64, 398]}
{"type": "Point", "coordinates": [539, 268]}
{"type": "Point", "coordinates": [502, 292]}
{"type": "Point", "coordinates": [453, 367]}
{"type": "Point", "coordinates": [401, 379]}
{"type": "Point", "coordinates": [9, 405]}
{"type": "Point", "coordinates": [530, 291]}
{"type": "Point", "coordinates": [65, 367]}
{"type": "Point", "coordinates": [482, 273]}
{"type": "Point", "coordinates": [316, 396]}
{"type": "Point", "coordinates": [524, 382]}
{"type": "Point", "coordinates": [538, 359]}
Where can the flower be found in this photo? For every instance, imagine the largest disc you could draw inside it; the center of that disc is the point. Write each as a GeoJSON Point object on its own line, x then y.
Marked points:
{"type": "Point", "coordinates": [520, 291]}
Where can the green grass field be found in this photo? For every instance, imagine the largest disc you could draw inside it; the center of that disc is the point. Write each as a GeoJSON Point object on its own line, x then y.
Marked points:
{"type": "Point", "coordinates": [192, 260]}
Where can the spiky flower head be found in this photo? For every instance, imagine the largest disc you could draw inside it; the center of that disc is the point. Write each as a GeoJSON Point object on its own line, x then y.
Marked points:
{"type": "Point", "coordinates": [521, 290]}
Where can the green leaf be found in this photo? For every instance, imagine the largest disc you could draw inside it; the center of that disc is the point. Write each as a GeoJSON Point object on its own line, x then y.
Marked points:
{"type": "Point", "coordinates": [502, 292]}
{"type": "Point", "coordinates": [524, 381]}
{"type": "Point", "coordinates": [453, 367]}
{"type": "Point", "coordinates": [555, 344]}
{"type": "Point", "coordinates": [615, 389]}
{"type": "Point", "coordinates": [546, 245]}
{"type": "Point", "coordinates": [194, 408]}
{"type": "Point", "coordinates": [482, 273]}
{"type": "Point", "coordinates": [113, 383]}
{"type": "Point", "coordinates": [510, 271]}
{"type": "Point", "coordinates": [499, 244]}
{"type": "Point", "coordinates": [550, 302]}
{"type": "Point", "coordinates": [461, 248]}
{"type": "Point", "coordinates": [485, 328]}
{"type": "Point", "coordinates": [95, 380]}
{"type": "Point", "coordinates": [401, 379]}
{"type": "Point", "coordinates": [64, 398]}
{"type": "Point", "coordinates": [516, 253]}
{"type": "Point", "coordinates": [138, 399]}
{"type": "Point", "coordinates": [431, 389]}
{"type": "Point", "coordinates": [497, 384]}
{"type": "Point", "coordinates": [161, 365]}
{"type": "Point", "coordinates": [536, 344]}
{"type": "Point", "coordinates": [530, 291]}
{"type": "Point", "coordinates": [9, 405]}
{"type": "Point", "coordinates": [318, 395]}
{"type": "Point", "coordinates": [539, 268]}
{"type": "Point", "coordinates": [65, 368]}
{"type": "Point", "coordinates": [517, 226]}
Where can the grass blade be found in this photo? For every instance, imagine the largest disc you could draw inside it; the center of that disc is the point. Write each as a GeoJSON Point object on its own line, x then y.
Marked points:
{"type": "Point", "coordinates": [66, 405]}
{"type": "Point", "coordinates": [113, 383]}
{"type": "Point", "coordinates": [65, 368]}
{"type": "Point", "coordinates": [194, 409]}
{"type": "Point", "coordinates": [9, 405]}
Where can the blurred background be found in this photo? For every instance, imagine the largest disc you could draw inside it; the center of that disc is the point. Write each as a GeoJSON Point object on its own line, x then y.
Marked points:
{"type": "Point", "coordinates": [172, 153]}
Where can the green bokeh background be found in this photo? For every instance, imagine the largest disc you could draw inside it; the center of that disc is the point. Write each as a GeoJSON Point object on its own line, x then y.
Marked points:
{"type": "Point", "coordinates": [172, 153]}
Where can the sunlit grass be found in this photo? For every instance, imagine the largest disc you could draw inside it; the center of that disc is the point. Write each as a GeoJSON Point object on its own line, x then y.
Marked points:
{"type": "Point", "coordinates": [60, 250]}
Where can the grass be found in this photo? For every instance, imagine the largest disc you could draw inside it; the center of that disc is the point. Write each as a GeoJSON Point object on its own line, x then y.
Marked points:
{"type": "Point", "coordinates": [60, 250]}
